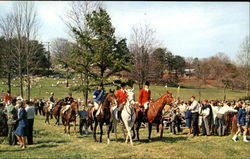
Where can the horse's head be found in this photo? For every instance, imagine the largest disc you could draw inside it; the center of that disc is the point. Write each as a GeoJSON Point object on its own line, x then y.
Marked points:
{"type": "Point", "coordinates": [74, 106]}
{"type": "Point", "coordinates": [111, 99]}
{"type": "Point", "coordinates": [130, 95]}
{"type": "Point", "coordinates": [168, 98]}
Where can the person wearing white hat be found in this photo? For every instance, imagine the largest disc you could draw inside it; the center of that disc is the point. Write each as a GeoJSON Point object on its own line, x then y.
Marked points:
{"type": "Point", "coordinates": [51, 102]}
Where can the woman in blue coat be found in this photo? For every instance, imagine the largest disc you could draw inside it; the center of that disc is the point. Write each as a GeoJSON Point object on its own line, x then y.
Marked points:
{"type": "Point", "coordinates": [241, 123]}
{"type": "Point", "coordinates": [21, 131]}
{"type": "Point", "coordinates": [188, 118]}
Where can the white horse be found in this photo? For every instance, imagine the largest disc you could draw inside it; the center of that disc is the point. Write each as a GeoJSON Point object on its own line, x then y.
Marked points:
{"type": "Point", "coordinates": [128, 115]}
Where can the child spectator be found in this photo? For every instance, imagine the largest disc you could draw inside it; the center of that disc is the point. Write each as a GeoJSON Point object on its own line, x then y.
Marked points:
{"type": "Point", "coordinates": [173, 121]}
{"type": "Point", "coordinates": [83, 115]}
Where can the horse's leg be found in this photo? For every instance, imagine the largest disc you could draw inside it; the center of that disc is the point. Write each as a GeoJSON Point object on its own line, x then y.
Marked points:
{"type": "Point", "coordinates": [127, 128]}
{"type": "Point", "coordinates": [123, 126]}
{"type": "Point", "coordinates": [157, 127]}
{"type": "Point", "coordinates": [115, 129]}
{"type": "Point", "coordinates": [94, 133]}
{"type": "Point", "coordinates": [90, 124]}
{"type": "Point", "coordinates": [68, 122]}
{"type": "Point", "coordinates": [47, 119]}
{"type": "Point", "coordinates": [137, 130]}
{"type": "Point", "coordinates": [130, 136]}
{"type": "Point", "coordinates": [109, 127]}
{"type": "Point", "coordinates": [58, 120]}
{"type": "Point", "coordinates": [65, 126]}
{"type": "Point", "coordinates": [48, 122]}
{"type": "Point", "coordinates": [75, 126]}
{"type": "Point", "coordinates": [149, 131]}
{"type": "Point", "coordinates": [101, 131]}
{"type": "Point", "coordinates": [133, 129]}
{"type": "Point", "coordinates": [162, 128]}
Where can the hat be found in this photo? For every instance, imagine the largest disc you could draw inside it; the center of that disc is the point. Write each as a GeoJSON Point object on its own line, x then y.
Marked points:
{"type": "Point", "coordinates": [19, 98]}
{"type": "Point", "coordinates": [147, 83]}
{"type": "Point", "coordinates": [123, 84]}
{"type": "Point", "coordinates": [52, 93]}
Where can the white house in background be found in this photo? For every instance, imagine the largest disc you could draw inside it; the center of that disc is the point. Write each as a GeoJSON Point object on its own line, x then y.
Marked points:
{"type": "Point", "coordinates": [189, 71]}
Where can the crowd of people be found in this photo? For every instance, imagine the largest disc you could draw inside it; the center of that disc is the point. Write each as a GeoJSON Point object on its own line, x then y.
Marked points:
{"type": "Point", "coordinates": [205, 117]}
{"type": "Point", "coordinates": [20, 120]}
{"type": "Point", "coordinates": [209, 117]}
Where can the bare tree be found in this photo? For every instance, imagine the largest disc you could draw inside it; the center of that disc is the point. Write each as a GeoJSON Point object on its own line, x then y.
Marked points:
{"type": "Point", "coordinates": [60, 52]}
{"type": "Point", "coordinates": [75, 17]}
{"type": "Point", "coordinates": [6, 30]}
{"type": "Point", "coordinates": [60, 48]}
{"type": "Point", "coordinates": [142, 45]}
{"type": "Point", "coordinates": [244, 62]}
{"type": "Point", "coordinates": [25, 29]}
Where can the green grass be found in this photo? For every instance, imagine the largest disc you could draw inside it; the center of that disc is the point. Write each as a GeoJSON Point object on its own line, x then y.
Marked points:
{"type": "Point", "coordinates": [51, 142]}
{"type": "Point", "coordinates": [185, 93]}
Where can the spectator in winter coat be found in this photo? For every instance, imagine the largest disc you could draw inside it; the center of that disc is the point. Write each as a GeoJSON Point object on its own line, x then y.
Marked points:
{"type": "Point", "coordinates": [206, 114]}
{"type": "Point", "coordinates": [241, 123]}
{"type": "Point", "coordinates": [220, 117]}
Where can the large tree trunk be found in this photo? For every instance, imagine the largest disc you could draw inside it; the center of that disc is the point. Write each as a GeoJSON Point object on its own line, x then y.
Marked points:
{"type": "Point", "coordinates": [87, 90]}
{"type": "Point", "coordinates": [9, 82]}
{"type": "Point", "coordinates": [20, 74]}
{"type": "Point", "coordinates": [67, 78]}
{"type": "Point", "coordinates": [28, 84]}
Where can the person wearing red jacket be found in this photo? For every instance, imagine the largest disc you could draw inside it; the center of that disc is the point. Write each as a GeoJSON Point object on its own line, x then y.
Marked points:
{"type": "Point", "coordinates": [7, 98]}
{"type": "Point", "coordinates": [121, 96]}
{"type": "Point", "coordinates": [144, 97]}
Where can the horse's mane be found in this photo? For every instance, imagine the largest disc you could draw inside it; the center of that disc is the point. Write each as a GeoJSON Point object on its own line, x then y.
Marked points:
{"type": "Point", "coordinates": [60, 101]}
{"type": "Point", "coordinates": [166, 94]}
{"type": "Point", "coordinates": [105, 102]}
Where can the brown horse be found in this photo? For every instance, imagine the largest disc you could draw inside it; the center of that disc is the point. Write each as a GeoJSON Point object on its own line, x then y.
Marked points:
{"type": "Point", "coordinates": [154, 115]}
{"type": "Point", "coordinates": [69, 116]}
{"type": "Point", "coordinates": [46, 110]}
{"type": "Point", "coordinates": [104, 116]}
{"type": "Point", "coordinates": [56, 110]}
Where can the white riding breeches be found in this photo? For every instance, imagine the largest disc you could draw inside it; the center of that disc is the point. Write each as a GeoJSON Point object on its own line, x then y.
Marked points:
{"type": "Point", "coordinates": [96, 105]}
{"type": "Point", "coordinates": [50, 106]}
{"type": "Point", "coordinates": [146, 105]}
{"type": "Point", "coordinates": [66, 108]}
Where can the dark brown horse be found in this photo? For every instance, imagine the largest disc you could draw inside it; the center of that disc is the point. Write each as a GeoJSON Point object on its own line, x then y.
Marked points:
{"type": "Point", "coordinates": [69, 116]}
{"type": "Point", "coordinates": [154, 114]}
{"type": "Point", "coordinates": [104, 116]}
{"type": "Point", "coordinates": [56, 110]}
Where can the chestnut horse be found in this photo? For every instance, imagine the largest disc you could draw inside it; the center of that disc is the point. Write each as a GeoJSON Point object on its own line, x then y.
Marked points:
{"type": "Point", "coordinates": [154, 114]}
{"type": "Point", "coordinates": [104, 116]}
{"type": "Point", "coordinates": [69, 116]}
{"type": "Point", "coordinates": [56, 110]}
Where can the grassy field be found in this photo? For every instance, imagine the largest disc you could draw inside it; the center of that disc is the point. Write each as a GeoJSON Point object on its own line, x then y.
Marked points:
{"type": "Point", "coordinates": [51, 142]}
{"type": "Point", "coordinates": [44, 87]}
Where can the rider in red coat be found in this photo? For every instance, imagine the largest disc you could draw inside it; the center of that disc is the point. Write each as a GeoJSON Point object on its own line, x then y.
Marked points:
{"type": "Point", "coordinates": [144, 96]}
{"type": "Point", "coordinates": [121, 96]}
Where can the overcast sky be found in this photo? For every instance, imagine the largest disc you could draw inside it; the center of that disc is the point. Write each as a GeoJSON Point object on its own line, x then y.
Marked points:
{"type": "Point", "coordinates": [189, 29]}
